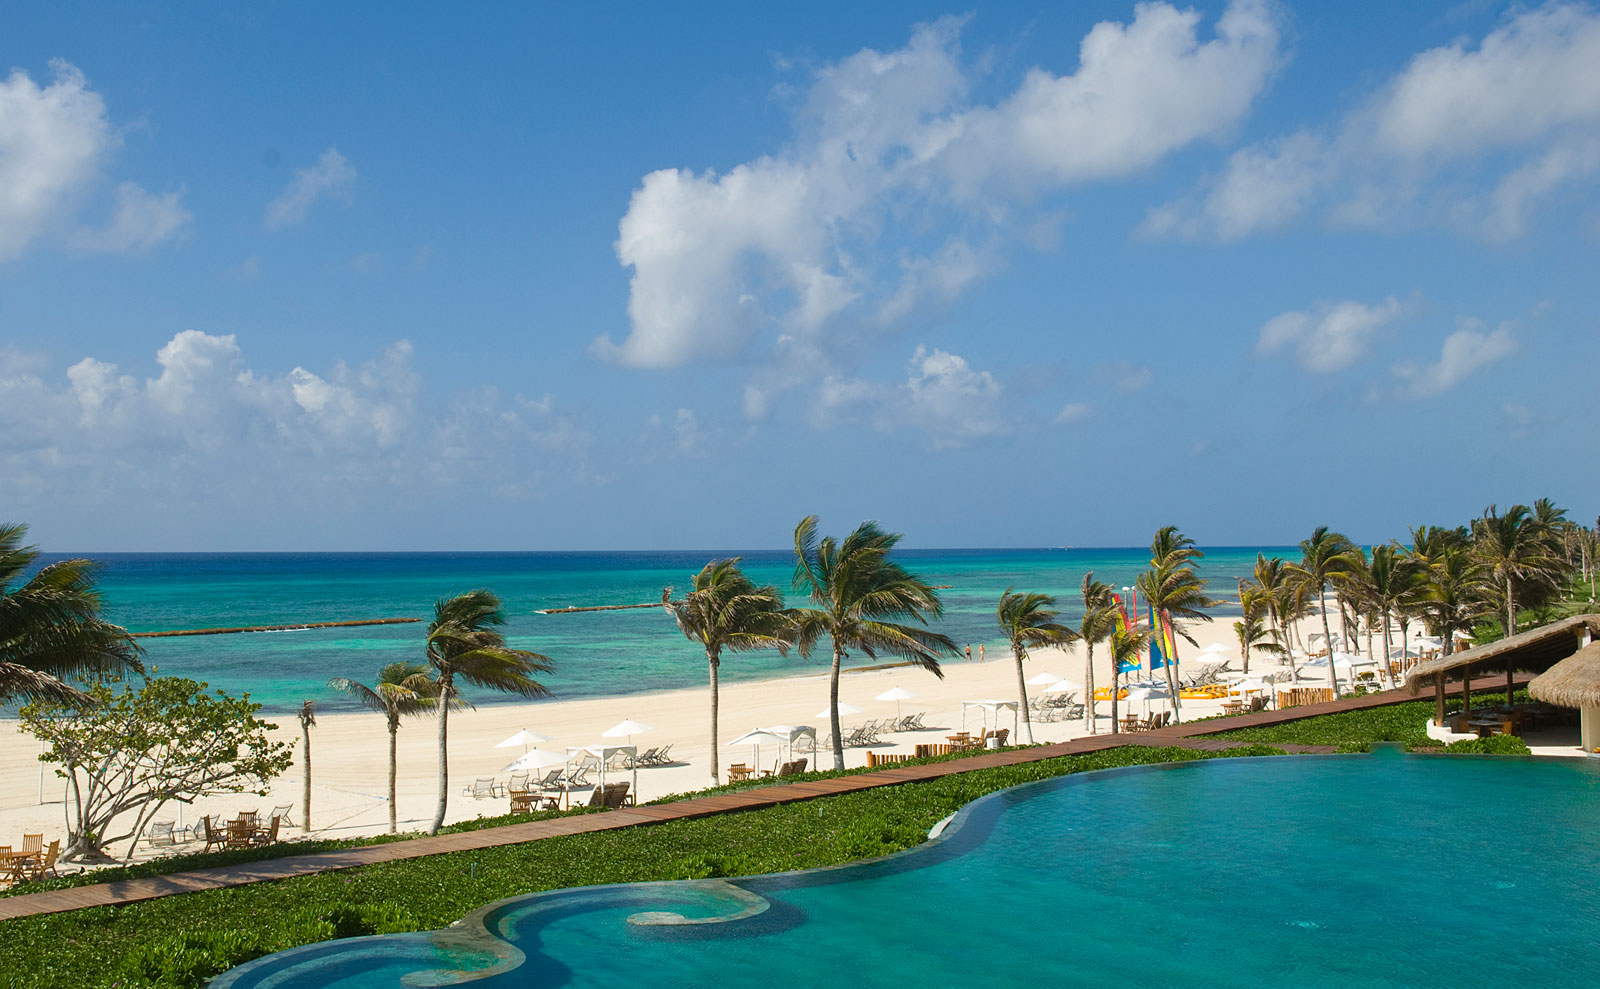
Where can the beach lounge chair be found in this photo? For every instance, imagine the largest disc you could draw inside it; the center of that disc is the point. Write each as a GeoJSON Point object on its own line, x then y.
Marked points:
{"type": "Point", "coordinates": [597, 798]}
{"type": "Point", "coordinates": [270, 835]}
{"type": "Point", "coordinates": [615, 795]}
{"type": "Point", "coordinates": [518, 781]}
{"type": "Point", "coordinates": [282, 813]}
{"type": "Point", "coordinates": [619, 760]}
{"type": "Point", "coordinates": [160, 833]}
{"type": "Point", "coordinates": [550, 780]}
{"type": "Point", "coordinates": [482, 788]}
{"type": "Point", "coordinates": [214, 836]}
{"type": "Point", "coordinates": [664, 757]}
{"type": "Point", "coordinates": [799, 766]}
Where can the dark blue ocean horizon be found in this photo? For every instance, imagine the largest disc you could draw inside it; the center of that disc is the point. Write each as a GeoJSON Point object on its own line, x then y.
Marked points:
{"type": "Point", "coordinates": [596, 653]}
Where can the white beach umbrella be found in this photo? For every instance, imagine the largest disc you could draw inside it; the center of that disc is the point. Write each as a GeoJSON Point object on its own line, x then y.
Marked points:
{"type": "Point", "coordinates": [1061, 685]}
{"type": "Point", "coordinates": [1214, 647]}
{"type": "Point", "coordinates": [1042, 679]}
{"type": "Point", "coordinates": [523, 738]}
{"type": "Point", "coordinates": [536, 759]}
{"type": "Point", "coordinates": [757, 738]}
{"type": "Point", "coordinates": [627, 728]}
{"type": "Point", "coordinates": [1148, 692]}
{"type": "Point", "coordinates": [896, 694]}
{"type": "Point", "coordinates": [843, 710]}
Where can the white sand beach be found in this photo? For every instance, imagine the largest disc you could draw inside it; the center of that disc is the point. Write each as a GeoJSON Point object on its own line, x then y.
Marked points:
{"type": "Point", "coordinates": [349, 750]}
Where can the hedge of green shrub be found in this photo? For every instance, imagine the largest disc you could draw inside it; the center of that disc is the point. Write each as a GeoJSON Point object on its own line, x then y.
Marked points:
{"type": "Point", "coordinates": [1355, 731]}
{"type": "Point", "coordinates": [182, 940]}
{"type": "Point", "coordinates": [1493, 745]}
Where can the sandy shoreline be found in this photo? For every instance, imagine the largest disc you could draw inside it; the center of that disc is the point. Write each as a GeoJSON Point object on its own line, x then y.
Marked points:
{"type": "Point", "coordinates": [350, 750]}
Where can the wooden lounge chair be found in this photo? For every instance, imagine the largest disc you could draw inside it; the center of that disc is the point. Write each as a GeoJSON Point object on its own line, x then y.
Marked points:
{"type": "Point", "coordinates": [1001, 736]}
{"type": "Point", "coordinates": [597, 798]}
{"type": "Point", "coordinates": [550, 780]}
{"type": "Point", "coordinates": [664, 757]}
{"type": "Point", "coordinates": [42, 867]}
{"type": "Point", "coordinates": [615, 795]}
{"type": "Point", "coordinates": [648, 758]}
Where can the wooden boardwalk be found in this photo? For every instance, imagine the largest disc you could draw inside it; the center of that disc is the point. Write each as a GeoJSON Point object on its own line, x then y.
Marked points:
{"type": "Point", "coordinates": [1190, 735]}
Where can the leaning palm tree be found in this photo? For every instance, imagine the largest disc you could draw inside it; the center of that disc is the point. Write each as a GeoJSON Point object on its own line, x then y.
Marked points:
{"type": "Point", "coordinates": [464, 641]}
{"type": "Point", "coordinates": [402, 689]}
{"type": "Point", "coordinates": [863, 601]}
{"type": "Point", "coordinates": [1515, 551]}
{"type": "Point", "coordinates": [1175, 591]}
{"type": "Point", "coordinates": [1099, 618]}
{"type": "Point", "coordinates": [1251, 629]}
{"type": "Point", "coordinates": [308, 718]}
{"type": "Point", "coordinates": [50, 626]}
{"type": "Point", "coordinates": [1324, 556]}
{"type": "Point", "coordinates": [1028, 620]}
{"type": "Point", "coordinates": [725, 612]}
{"type": "Point", "coordinates": [1127, 642]}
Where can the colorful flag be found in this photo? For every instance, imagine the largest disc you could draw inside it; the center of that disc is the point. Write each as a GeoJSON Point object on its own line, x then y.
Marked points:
{"type": "Point", "coordinates": [1158, 642]}
{"type": "Point", "coordinates": [1170, 646]}
{"type": "Point", "coordinates": [1127, 665]}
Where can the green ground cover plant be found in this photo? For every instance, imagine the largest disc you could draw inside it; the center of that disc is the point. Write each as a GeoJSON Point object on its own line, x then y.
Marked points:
{"type": "Point", "coordinates": [182, 940]}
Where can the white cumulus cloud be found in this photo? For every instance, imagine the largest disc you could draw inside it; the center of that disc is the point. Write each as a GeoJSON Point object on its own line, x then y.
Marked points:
{"type": "Point", "coordinates": [1469, 349]}
{"type": "Point", "coordinates": [332, 177]}
{"type": "Point", "coordinates": [896, 191]}
{"type": "Point", "coordinates": [1330, 336]}
{"type": "Point", "coordinates": [54, 143]}
{"type": "Point", "coordinates": [1471, 136]}
{"type": "Point", "coordinates": [943, 396]}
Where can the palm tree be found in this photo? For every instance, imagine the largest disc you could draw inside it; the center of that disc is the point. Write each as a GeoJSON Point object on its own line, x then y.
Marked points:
{"type": "Point", "coordinates": [1324, 556]}
{"type": "Point", "coordinates": [1278, 593]}
{"type": "Point", "coordinates": [1029, 620]}
{"type": "Point", "coordinates": [726, 612]}
{"type": "Point", "coordinates": [1126, 645]}
{"type": "Point", "coordinates": [402, 689]}
{"type": "Point", "coordinates": [464, 641]}
{"type": "Point", "coordinates": [308, 717]}
{"type": "Point", "coordinates": [1251, 628]}
{"type": "Point", "coordinates": [1515, 551]}
{"type": "Point", "coordinates": [50, 626]}
{"type": "Point", "coordinates": [1175, 591]}
{"type": "Point", "coordinates": [862, 600]}
{"type": "Point", "coordinates": [1449, 585]}
{"type": "Point", "coordinates": [1099, 618]}
{"type": "Point", "coordinates": [1393, 582]}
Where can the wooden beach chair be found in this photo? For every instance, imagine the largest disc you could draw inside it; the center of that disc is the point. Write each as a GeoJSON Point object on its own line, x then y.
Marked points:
{"type": "Point", "coordinates": [615, 795]}
{"type": "Point", "coordinates": [42, 867]}
{"type": "Point", "coordinates": [214, 836]}
{"type": "Point", "coordinates": [270, 835]}
{"type": "Point", "coordinates": [663, 757]}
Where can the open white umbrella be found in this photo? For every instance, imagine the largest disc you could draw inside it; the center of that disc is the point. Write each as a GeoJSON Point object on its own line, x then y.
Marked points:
{"type": "Point", "coordinates": [1214, 647]}
{"type": "Point", "coordinates": [1061, 685]}
{"type": "Point", "coordinates": [536, 759]}
{"type": "Point", "coordinates": [627, 728]}
{"type": "Point", "coordinates": [1043, 679]}
{"type": "Point", "coordinates": [523, 738]}
{"type": "Point", "coordinates": [1148, 692]}
{"type": "Point", "coordinates": [896, 694]}
{"type": "Point", "coordinates": [843, 710]}
{"type": "Point", "coordinates": [757, 738]}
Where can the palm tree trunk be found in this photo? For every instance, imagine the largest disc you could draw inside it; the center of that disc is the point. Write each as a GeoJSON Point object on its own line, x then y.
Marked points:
{"type": "Point", "coordinates": [1172, 680]}
{"type": "Point", "coordinates": [714, 661]}
{"type": "Point", "coordinates": [1088, 687]}
{"type": "Point", "coordinates": [1386, 646]}
{"type": "Point", "coordinates": [1327, 636]}
{"type": "Point", "coordinates": [394, 734]}
{"type": "Point", "coordinates": [833, 708]}
{"type": "Point", "coordinates": [305, 791]}
{"type": "Point", "coordinates": [1511, 609]}
{"type": "Point", "coordinates": [1115, 689]}
{"type": "Point", "coordinates": [1022, 692]}
{"type": "Point", "coordinates": [445, 683]}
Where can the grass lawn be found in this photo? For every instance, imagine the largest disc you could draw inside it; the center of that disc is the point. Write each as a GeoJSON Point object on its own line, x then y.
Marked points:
{"type": "Point", "coordinates": [181, 940]}
{"type": "Point", "coordinates": [1355, 731]}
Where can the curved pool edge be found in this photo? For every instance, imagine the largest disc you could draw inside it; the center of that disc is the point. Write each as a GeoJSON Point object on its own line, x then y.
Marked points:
{"type": "Point", "coordinates": [477, 931]}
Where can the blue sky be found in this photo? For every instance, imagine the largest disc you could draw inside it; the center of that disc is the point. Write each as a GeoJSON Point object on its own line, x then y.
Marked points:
{"type": "Point", "coordinates": [283, 277]}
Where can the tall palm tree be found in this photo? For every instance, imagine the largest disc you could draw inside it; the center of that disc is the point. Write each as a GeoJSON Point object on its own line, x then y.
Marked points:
{"type": "Point", "coordinates": [725, 612]}
{"type": "Point", "coordinates": [1515, 551]}
{"type": "Point", "coordinates": [1126, 645]}
{"type": "Point", "coordinates": [1449, 586]}
{"type": "Point", "coordinates": [1324, 556]}
{"type": "Point", "coordinates": [1278, 593]}
{"type": "Point", "coordinates": [1394, 582]}
{"type": "Point", "coordinates": [402, 689]}
{"type": "Point", "coordinates": [1175, 590]}
{"type": "Point", "coordinates": [1099, 618]}
{"type": "Point", "coordinates": [1029, 620]}
{"type": "Point", "coordinates": [464, 641]}
{"type": "Point", "coordinates": [50, 626]}
{"type": "Point", "coordinates": [308, 718]}
{"type": "Point", "coordinates": [863, 601]}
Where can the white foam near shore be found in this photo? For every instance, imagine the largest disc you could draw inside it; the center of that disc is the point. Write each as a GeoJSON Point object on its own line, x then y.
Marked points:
{"type": "Point", "coordinates": [349, 754]}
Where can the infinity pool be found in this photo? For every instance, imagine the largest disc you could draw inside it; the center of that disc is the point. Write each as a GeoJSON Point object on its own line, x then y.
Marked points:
{"type": "Point", "coordinates": [1383, 871]}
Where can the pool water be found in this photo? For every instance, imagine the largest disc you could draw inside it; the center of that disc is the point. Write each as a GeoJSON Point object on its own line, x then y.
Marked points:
{"type": "Point", "coordinates": [1382, 871]}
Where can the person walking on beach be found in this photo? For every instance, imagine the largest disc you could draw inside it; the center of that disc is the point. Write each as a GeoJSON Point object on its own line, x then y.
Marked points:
{"type": "Point", "coordinates": [981, 658]}
{"type": "Point", "coordinates": [969, 652]}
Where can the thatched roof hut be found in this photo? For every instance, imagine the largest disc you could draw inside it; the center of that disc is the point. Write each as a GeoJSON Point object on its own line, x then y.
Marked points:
{"type": "Point", "coordinates": [1573, 682]}
{"type": "Point", "coordinates": [1536, 649]}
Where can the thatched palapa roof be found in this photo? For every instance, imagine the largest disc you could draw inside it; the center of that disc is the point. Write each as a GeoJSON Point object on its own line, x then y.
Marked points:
{"type": "Point", "coordinates": [1573, 682]}
{"type": "Point", "coordinates": [1536, 649]}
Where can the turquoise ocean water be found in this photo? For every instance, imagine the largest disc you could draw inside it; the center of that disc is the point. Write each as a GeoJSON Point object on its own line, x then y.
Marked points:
{"type": "Point", "coordinates": [596, 653]}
